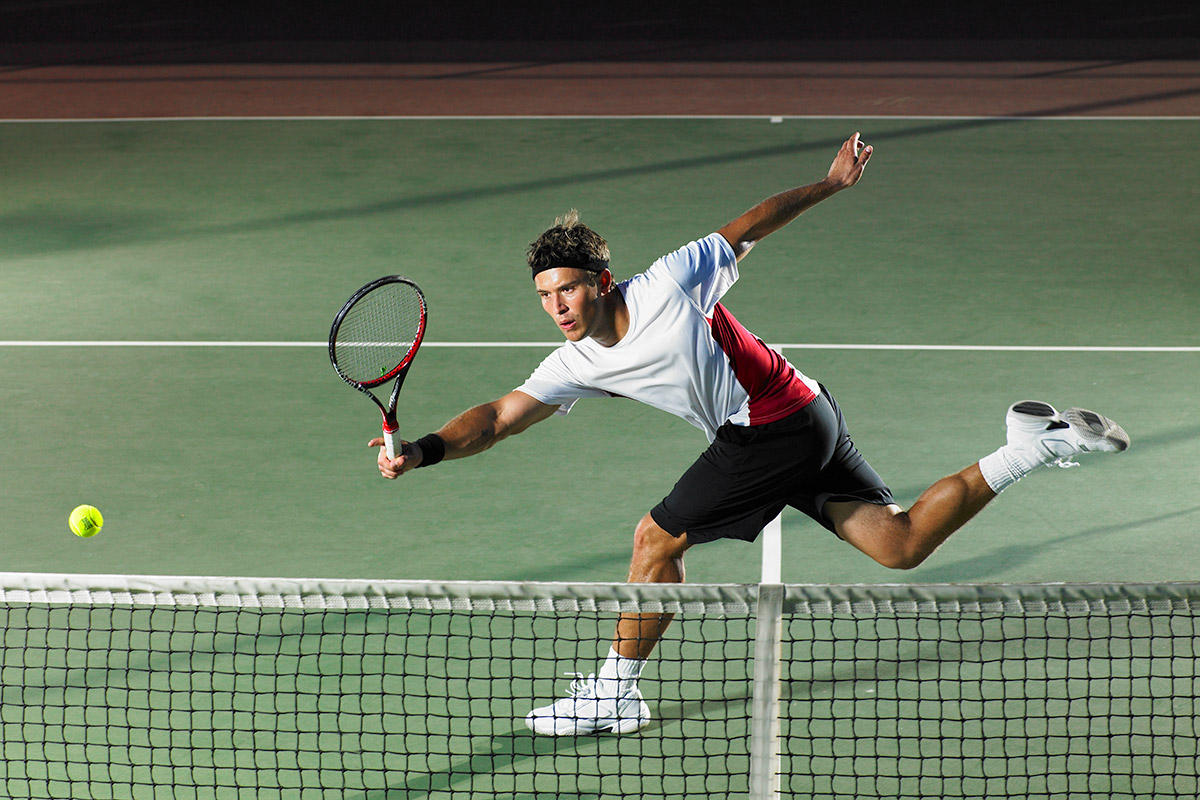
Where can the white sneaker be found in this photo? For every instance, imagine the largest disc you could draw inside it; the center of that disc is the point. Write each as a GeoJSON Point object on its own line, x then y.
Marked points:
{"type": "Point", "coordinates": [586, 712]}
{"type": "Point", "coordinates": [1054, 438]}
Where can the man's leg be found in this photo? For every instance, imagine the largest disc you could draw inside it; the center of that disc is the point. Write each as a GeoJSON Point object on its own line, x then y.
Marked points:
{"type": "Point", "coordinates": [1038, 436]}
{"type": "Point", "coordinates": [657, 558]}
{"type": "Point", "coordinates": [610, 701]}
{"type": "Point", "coordinates": [903, 539]}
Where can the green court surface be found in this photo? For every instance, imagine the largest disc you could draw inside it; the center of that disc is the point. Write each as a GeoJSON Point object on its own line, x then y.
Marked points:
{"type": "Point", "coordinates": [167, 289]}
{"type": "Point", "coordinates": [229, 460]}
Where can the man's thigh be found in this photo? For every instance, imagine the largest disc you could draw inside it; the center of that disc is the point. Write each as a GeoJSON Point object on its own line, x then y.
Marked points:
{"type": "Point", "coordinates": [867, 525]}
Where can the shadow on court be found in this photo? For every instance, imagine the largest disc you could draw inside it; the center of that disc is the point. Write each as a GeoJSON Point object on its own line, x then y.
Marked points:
{"type": "Point", "coordinates": [74, 234]}
{"type": "Point", "coordinates": [1009, 556]}
{"type": "Point", "coordinates": [520, 745]}
{"type": "Point", "coordinates": [506, 750]}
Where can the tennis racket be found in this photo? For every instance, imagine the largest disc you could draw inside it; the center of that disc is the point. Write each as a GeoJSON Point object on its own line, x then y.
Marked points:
{"type": "Point", "coordinates": [374, 339]}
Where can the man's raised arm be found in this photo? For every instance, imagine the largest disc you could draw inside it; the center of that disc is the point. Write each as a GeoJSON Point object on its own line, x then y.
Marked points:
{"type": "Point", "coordinates": [471, 432]}
{"type": "Point", "coordinates": [778, 210]}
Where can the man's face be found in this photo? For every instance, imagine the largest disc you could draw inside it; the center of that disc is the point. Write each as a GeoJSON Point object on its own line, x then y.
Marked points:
{"type": "Point", "coordinates": [570, 298]}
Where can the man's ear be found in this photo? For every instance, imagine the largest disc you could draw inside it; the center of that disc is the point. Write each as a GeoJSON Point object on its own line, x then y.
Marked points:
{"type": "Point", "coordinates": [605, 281]}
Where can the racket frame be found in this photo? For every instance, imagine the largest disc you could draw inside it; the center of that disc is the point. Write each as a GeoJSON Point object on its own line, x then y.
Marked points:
{"type": "Point", "coordinates": [399, 372]}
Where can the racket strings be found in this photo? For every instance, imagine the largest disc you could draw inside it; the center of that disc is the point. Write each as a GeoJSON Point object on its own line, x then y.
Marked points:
{"type": "Point", "coordinates": [378, 332]}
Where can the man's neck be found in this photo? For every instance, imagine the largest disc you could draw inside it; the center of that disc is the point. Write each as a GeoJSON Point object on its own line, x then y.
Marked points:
{"type": "Point", "coordinates": [616, 319]}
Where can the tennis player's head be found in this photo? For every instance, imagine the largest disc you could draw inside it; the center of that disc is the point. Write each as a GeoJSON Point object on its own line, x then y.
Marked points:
{"type": "Point", "coordinates": [569, 263]}
{"type": "Point", "coordinates": [569, 243]}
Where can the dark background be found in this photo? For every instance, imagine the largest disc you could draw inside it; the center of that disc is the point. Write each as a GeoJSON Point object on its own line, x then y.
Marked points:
{"type": "Point", "coordinates": [198, 30]}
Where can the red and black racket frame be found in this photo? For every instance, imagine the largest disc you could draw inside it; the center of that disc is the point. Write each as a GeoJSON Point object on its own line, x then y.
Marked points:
{"type": "Point", "coordinates": [400, 372]}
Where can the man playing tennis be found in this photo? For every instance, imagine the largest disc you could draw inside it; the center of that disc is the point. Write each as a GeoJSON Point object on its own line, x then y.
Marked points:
{"type": "Point", "coordinates": [777, 438]}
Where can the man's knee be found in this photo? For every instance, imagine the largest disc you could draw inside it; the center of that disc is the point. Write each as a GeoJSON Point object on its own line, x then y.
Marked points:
{"type": "Point", "coordinates": [652, 541]}
{"type": "Point", "coordinates": [882, 532]}
{"type": "Point", "coordinates": [901, 555]}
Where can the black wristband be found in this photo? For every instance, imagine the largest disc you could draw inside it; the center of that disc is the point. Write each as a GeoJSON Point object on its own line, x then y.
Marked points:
{"type": "Point", "coordinates": [433, 450]}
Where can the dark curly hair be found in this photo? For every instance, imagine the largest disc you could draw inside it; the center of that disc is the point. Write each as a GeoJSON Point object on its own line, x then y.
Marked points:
{"type": "Point", "coordinates": [569, 243]}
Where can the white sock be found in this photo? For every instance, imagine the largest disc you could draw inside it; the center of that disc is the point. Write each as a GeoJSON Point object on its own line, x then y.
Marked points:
{"type": "Point", "coordinates": [617, 673]}
{"type": "Point", "coordinates": [1007, 465]}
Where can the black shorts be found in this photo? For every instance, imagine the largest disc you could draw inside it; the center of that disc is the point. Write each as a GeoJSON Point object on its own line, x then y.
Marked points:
{"type": "Point", "coordinates": [748, 474]}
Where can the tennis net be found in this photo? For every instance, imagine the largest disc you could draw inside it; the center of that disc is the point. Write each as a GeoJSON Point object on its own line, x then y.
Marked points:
{"type": "Point", "coordinates": [155, 687]}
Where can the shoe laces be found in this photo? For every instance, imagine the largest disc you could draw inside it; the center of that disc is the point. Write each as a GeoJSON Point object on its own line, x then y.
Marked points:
{"type": "Point", "coordinates": [582, 688]}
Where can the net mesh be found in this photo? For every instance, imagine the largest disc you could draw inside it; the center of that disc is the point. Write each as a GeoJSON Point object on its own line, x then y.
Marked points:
{"type": "Point", "coordinates": [189, 688]}
{"type": "Point", "coordinates": [376, 333]}
{"type": "Point", "coordinates": [986, 692]}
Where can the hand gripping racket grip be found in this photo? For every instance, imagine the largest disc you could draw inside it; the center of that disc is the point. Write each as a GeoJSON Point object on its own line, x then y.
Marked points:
{"type": "Point", "coordinates": [390, 439]}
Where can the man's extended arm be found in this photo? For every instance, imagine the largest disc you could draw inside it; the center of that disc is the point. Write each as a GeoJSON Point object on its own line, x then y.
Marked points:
{"type": "Point", "coordinates": [778, 210]}
{"type": "Point", "coordinates": [471, 432]}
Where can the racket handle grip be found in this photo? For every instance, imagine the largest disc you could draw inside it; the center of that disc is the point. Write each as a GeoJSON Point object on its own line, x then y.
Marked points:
{"type": "Point", "coordinates": [390, 439]}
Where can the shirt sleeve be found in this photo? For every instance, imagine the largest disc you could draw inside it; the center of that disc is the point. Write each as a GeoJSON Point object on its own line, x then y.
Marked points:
{"type": "Point", "coordinates": [704, 269]}
{"type": "Point", "coordinates": [553, 384]}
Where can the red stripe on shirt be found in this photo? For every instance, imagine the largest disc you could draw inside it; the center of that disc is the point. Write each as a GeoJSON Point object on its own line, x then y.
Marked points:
{"type": "Point", "coordinates": [774, 387]}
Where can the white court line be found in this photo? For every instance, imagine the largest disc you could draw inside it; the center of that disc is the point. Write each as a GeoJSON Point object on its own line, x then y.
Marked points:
{"type": "Point", "coordinates": [601, 117]}
{"type": "Point", "coordinates": [1000, 348]}
{"type": "Point", "coordinates": [1014, 348]}
{"type": "Point", "coordinates": [168, 343]}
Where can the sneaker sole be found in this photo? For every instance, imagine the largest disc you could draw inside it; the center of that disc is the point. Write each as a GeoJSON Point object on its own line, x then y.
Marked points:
{"type": "Point", "coordinates": [626, 725]}
{"type": "Point", "coordinates": [1034, 408]}
{"type": "Point", "coordinates": [1096, 430]}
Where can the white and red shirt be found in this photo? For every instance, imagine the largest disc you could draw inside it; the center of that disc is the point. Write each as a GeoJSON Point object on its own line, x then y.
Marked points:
{"type": "Point", "coordinates": [683, 352]}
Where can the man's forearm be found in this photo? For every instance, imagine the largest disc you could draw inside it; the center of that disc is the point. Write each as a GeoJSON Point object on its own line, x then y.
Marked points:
{"type": "Point", "coordinates": [471, 432]}
{"type": "Point", "coordinates": [778, 210]}
{"type": "Point", "coordinates": [478, 428]}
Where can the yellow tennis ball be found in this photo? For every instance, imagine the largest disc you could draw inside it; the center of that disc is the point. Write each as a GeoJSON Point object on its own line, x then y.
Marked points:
{"type": "Point", "coordinates": [86, 521]}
